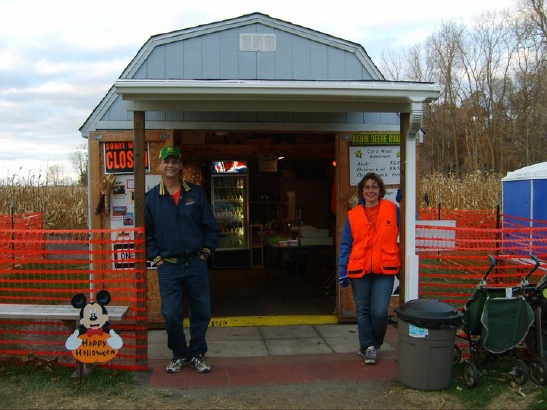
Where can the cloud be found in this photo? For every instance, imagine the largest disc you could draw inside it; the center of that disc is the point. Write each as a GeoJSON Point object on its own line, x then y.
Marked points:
{"type": "Point", "coordinates": [58, 58]}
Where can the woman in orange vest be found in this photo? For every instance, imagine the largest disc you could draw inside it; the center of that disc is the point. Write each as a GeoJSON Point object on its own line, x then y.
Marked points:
{"type": "Point", "coordinates": [369, 260]}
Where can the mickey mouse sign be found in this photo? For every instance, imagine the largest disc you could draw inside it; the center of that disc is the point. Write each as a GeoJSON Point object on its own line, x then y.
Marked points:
{"type": "Point", "coordinates": [93, 341]}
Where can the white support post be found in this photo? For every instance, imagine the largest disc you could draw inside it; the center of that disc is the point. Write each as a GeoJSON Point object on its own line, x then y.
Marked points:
{"type": "Point", "coordinates": [411, 259]}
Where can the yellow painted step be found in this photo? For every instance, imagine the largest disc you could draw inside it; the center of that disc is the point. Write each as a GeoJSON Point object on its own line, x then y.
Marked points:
{"type": "Point", "coordinates": [288, 320]}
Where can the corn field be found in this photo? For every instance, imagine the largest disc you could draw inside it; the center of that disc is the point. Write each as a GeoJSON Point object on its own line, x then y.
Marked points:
{"type": "Point", "coordinates": [66, 207]}
{"type": "Point", "coordinates": [477, 191]}
{"type": "Point", "coordinates": [63, 206]}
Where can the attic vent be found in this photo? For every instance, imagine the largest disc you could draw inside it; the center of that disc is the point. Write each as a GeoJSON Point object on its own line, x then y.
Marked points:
{"type": "Point", "coordinates": [257, 42]}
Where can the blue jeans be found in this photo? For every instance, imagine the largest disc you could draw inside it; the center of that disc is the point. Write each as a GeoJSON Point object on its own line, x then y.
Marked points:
{"type": "Point", "coordinates": [372, 294]}
{"type": "Point", "coordinates": [188, 277]}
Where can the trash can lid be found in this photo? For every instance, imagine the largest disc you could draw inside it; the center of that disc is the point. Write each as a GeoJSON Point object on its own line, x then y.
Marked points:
{"type": "Point", "coordinates": [429, 312]}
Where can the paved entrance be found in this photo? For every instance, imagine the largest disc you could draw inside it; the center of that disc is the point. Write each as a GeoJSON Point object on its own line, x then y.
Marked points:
{"type": "Point", "coordinates": [270, 355]}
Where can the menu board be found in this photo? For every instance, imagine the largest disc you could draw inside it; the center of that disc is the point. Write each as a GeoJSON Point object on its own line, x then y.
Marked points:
{"type": "Point", "coordinates": [383, 160]}
{"type": "Point", "coordinates": [122, 212]}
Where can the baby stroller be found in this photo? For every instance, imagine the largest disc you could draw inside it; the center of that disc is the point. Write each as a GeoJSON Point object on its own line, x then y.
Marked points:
{"type": "Point", "coordinates": [536, 339]}
{"type": "Point", "coordinates": [495, 321]}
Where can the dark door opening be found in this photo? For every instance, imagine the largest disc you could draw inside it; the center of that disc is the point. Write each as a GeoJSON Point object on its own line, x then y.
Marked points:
{"type": "Point", "coordinates": [290, 182]}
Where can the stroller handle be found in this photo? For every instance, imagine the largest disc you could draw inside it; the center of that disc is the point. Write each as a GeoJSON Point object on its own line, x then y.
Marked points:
{"type": "Point", "coordinates": [521, 289]}
{"type": "Point", "coordinates": [542, 284]}
{"type": "Point", "coordinates": [493, 263]}
{"type": "Point", "coordinates": [536, 266]}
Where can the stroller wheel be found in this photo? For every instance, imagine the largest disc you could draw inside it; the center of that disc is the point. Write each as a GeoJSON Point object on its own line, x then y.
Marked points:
{"type": "Point", "coordinates": [520, 372]}
{"type": "Point", "coordinates": [471, 374]}
{"type": "Point", "coordinates": [481, 355]}
{"type": "Point", "coordinates": [538, 371]}
{"type": "Point", "coordinates": [457, 354]}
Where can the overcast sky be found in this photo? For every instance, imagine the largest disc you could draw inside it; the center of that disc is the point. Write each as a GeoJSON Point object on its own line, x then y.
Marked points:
{"type": "Point", "coordinates": [59, 58]}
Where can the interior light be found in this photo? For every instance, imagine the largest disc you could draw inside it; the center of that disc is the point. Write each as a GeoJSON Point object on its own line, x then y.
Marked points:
{"type": "Point", "coordinates": [280, 158]}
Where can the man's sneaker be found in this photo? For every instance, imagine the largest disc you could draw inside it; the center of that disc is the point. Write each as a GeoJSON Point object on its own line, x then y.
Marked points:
{"type": "Point", "coordinates": [371, 355]}
{"type": "Point", "coordinates": [361, 351]}
{"type": "Point", "coordinates": [199, 364]}
{"type": "Point", "coordinates": [176, 365]}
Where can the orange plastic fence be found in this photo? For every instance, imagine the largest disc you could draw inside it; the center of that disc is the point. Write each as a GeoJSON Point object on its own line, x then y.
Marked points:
{"type": "Point", "coordinates": [32, 220]}
{"type": "Point", "coordinates": [49, 267]}
{"type": "Point", "coordinates": [453, 259]}
{"type": "Point", "coordinates": [489, 218]}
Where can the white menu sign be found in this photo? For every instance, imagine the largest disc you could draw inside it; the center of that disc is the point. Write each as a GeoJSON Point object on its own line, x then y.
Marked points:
{"type": "Point", "coordinates": [122, 213]}
{"type": "Point", "coordinates": [383, 160]}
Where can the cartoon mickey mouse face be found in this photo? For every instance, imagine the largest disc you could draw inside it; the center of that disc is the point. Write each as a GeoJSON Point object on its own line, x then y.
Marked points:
{"type": "Point", "coordinates": [93, 316]}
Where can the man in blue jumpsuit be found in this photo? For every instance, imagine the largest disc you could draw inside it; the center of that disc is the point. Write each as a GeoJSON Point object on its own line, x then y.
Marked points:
{"type": "Point", "coordinates": [181, 234]}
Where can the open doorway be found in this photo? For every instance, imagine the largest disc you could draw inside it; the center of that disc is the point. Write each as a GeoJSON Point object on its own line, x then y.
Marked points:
{"type": "Point", "coordinates": [285, 281]}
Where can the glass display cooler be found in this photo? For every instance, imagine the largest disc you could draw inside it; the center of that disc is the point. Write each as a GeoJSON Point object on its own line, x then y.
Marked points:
{"type": "Point", "coordinates": [230, 203]}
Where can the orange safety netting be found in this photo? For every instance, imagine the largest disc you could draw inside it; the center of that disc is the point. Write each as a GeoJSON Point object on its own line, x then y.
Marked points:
{"type": "Point", "coordinates": [454, 257]}
{"type": "Point", "coordinates": [31, 220]}
{"type": "Point", "coordinates": [464, 218]}
{"type": "Point", "coordinates": [49, 267]}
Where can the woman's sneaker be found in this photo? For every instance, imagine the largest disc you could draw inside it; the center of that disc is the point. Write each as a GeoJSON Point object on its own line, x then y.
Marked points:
{"type": "Point", "coordinates": [199, 364]}
{"type": "Point", "coordinates": [371, 355]}
{"type": "Point", "coordinates": [176, 365]}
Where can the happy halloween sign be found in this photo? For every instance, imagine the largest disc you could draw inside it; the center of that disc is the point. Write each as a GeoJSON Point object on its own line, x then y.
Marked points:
{"type": "Point", "coordinates": [93, 341]}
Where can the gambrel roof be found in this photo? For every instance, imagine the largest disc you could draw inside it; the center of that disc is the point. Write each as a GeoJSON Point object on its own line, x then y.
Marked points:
{"type": "Point", "coordinates": [212, 52]}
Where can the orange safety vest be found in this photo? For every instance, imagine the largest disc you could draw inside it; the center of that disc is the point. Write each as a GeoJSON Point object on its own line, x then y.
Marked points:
{"type": "Point", "coordinates": [375, 248]}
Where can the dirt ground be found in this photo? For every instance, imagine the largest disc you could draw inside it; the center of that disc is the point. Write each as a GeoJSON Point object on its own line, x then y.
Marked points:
{"type": "Point", "coordinates": [43, 387]}
{"type": "Point", "coordinates": [372, 395]}
{"type": "Point", "coordinates": [327, 395]}
{"type": "Point", "coordinates": [56, 393]}
{"type": "Point", "coordinates": [318, 395]}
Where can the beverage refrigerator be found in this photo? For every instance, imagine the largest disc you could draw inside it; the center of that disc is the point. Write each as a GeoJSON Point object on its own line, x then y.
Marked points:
{"type": "Point", "coordinates": [230, 204]}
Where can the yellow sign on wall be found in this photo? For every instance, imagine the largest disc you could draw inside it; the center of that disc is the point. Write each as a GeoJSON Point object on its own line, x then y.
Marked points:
{"type": "Point", "coordinates": [376, 138]}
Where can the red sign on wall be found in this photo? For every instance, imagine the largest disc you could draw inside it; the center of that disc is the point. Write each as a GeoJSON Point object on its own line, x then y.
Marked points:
{"type": "Point", "coordinates": [118, 157]}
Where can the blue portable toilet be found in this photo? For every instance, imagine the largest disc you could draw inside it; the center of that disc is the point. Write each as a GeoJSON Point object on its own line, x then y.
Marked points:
{"type": "Point", "coordinates": [524, 193]}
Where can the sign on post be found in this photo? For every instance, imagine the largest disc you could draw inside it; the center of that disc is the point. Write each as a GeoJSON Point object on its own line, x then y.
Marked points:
{"type": "Point", "coordinates": [383, 160]}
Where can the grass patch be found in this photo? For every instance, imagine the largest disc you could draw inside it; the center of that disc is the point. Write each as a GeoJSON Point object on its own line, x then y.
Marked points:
{"type": "Point", "coordinates": [39, 384]}
{"type": "Point", "coordinates": [496, 389]}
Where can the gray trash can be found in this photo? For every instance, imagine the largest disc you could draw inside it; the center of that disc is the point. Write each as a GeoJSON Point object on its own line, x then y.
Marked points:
{"type": "Point", "coordinates": [426, 329]}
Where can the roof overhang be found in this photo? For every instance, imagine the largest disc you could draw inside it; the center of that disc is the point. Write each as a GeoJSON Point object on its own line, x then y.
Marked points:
{"type": "Point", "coordinates": [290, 96]}
{"type": "Point", "coordinates": [275, 96]}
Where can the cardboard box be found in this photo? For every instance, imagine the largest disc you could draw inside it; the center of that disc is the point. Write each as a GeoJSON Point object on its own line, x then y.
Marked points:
{"type": "Point", "coordinates": [316, 241]}
{"type": "Point", "coordinates": [311, 232]}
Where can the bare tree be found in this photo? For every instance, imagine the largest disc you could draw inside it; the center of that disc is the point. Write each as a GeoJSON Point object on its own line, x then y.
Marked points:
{"type": "Point", "coordinates": [444, 62]}
{"type": "Point", "coordinates": [527, 136]}
{"type": "Point", "coordinates": [79, 163]}
{"type": "Point", "coordinates": [490, 116]}
{"type": "Point", "coordinates": [54, 175]}
{"type": "Point", "coordinates": [408, 65]}
{"type": "Point", "coordinates": [538, 18]}
{"type": "Point", "coordinates": [488, 67]}
{"type": "Point", "coordinates": [391, 65]}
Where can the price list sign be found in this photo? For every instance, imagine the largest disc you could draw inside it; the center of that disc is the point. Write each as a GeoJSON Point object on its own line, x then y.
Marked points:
{"type": "Point", "coordinates": [383, 160]}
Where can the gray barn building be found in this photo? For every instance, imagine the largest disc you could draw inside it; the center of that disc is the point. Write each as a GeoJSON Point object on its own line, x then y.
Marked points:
{"type": "Point", "coordinates": [295, 105]}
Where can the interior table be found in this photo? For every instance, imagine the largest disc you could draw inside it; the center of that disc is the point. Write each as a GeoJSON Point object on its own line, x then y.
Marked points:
{"type": "Point", "coordinates": [310, 268]}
